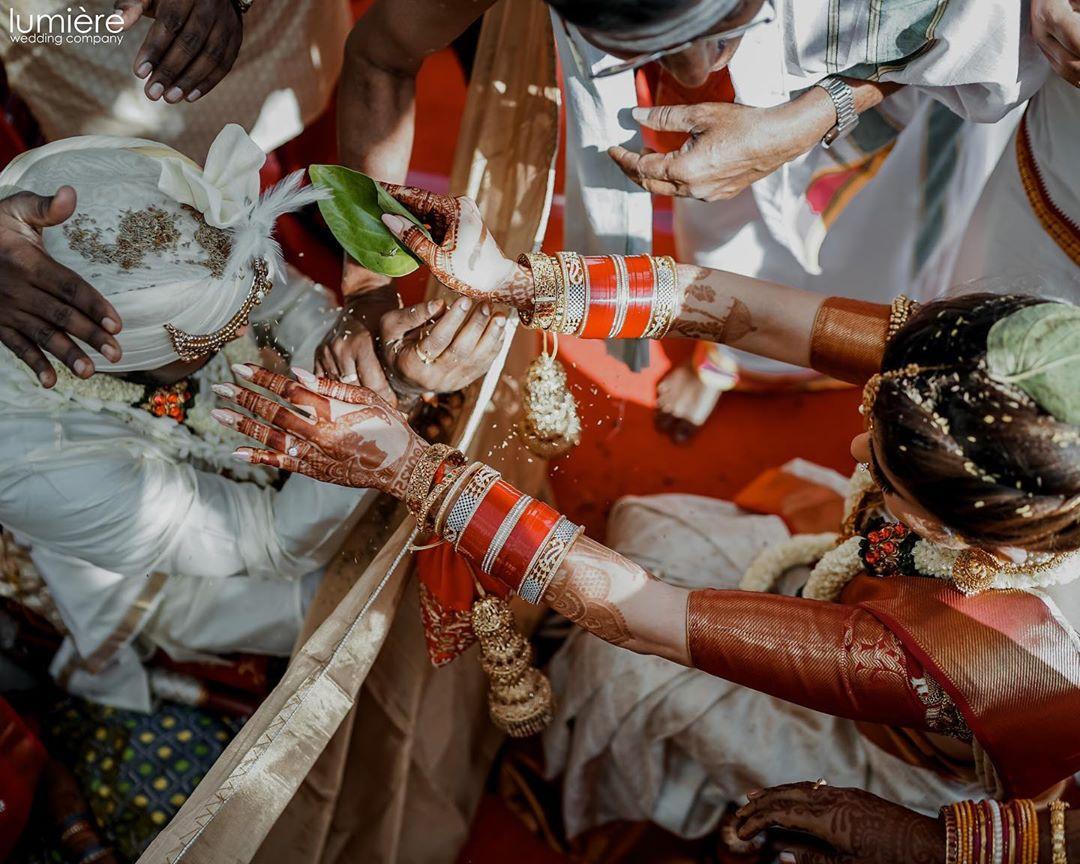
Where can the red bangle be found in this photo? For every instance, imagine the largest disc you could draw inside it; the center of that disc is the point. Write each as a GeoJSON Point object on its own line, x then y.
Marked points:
{"type": "Point", "coordinates": [520, 548]}
{"type": "Point", "coordinates": [603, 281]}
{"type": "Point", "coordinates": [476, 539]}
{"type": "Point", "coordinates": [642, 283]}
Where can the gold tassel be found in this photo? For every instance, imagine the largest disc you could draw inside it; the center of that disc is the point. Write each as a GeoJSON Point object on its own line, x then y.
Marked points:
{"type": "Point", "coordinates": [519, 699]}
{"type": "Point", "coordinates": [550, 425]}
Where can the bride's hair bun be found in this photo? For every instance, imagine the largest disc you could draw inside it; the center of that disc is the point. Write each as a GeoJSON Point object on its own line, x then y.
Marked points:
{"type": "Point", "coordinates": [976, 451]}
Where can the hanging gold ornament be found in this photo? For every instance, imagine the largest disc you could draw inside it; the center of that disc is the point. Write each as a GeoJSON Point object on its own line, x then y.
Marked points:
{"type": "Point", "coordinates": [974, 571]}
{"type": "Point", "coordinates": [519, 699]}
{"type": "Point", "coordinates": [550, 425]}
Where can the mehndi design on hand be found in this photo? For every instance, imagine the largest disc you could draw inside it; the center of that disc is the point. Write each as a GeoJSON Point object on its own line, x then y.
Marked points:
{"type": "Point", "coordinates": [464, 255]}
{"type": "Point", "coordinates": [337, 432]}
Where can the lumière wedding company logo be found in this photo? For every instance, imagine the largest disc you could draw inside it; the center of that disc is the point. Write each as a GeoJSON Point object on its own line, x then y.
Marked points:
{"type": "Point", "coordinates": [71, 26]}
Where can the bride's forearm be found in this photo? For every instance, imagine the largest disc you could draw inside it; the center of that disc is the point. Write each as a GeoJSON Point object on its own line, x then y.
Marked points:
{"type": "Point", "coordinates": [764, 318]}
{"type": "Point", "coordinates": [615, 599]}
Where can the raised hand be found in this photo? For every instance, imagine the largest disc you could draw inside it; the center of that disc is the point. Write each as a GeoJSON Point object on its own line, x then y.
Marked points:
{"type": "Point", "coordinates": [42, 302]}
{"type": "Point", "coordinates": [463, 254]}
{"type": "Point", "coordinates": [1055, 24]}
{"type": "Point", "coordinates": [728, 146]}
{"type": "Point", "coordinates": [191, 46]}
{"type": "Point", "coordinates": [338, 433]}
{"type": "Point", "coordinates": [844, 825]}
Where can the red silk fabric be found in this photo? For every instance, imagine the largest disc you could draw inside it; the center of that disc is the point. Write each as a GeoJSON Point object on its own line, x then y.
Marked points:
{"type": "Point", "coordinates": [22, 756]}
{"type": "Point", "coordinates": [1010, 665]}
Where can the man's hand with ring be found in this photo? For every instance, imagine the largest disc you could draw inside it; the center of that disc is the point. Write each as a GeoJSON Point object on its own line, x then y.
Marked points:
{"type": "Point", "coordinates": [449, 355]}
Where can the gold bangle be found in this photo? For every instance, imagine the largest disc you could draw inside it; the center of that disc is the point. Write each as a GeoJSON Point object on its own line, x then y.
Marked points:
{"type": "Point", "coordinates": [545, 289]}
{"type": "Point", "coordinates": [665, 297]}
{"type": "Point", "coordinates": [424, 474]}
{"type": "Point", "coordinates": [452, 494]}
{"type": "Point", "coordinates": [423, 515]}
{"type": "Point", "coordinates": [1057, 832]}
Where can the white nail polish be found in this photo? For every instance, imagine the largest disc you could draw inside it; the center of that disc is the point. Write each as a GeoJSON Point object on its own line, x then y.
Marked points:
{"type": "Point", "coordinates": [226, 390]}
{"type": "Point", "coordinates": [223, 417]}
{"type": "Point", "coordinates": [241, 457]}
{"type": "Point", "coordinates": [243, 370]}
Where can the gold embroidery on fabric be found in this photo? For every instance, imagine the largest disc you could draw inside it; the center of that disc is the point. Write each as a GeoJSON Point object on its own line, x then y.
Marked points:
{"type": "Point", "coordinates": [139, 232]}
{"type": "Point", "coordinates": [942, 715]}
{"type": "Point", "coordinates": [449, 631]}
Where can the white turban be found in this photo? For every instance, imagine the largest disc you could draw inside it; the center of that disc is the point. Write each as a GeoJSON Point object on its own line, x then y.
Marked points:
{"type": "Point", "coordinates": [165, 241]}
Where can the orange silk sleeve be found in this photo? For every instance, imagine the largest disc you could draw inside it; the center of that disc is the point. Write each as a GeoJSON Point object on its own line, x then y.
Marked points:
{"type": "Point", "coordinates": [848, 339]}
{"type": "Point", "coordinates": [829, 657]}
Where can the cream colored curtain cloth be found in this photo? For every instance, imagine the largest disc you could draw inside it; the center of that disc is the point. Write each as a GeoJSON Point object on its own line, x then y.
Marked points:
{"type": "Point", "coordinates": [308, 773]}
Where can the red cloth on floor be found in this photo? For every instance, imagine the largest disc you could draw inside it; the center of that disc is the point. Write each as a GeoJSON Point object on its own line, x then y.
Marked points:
{"type": "Point", "coordinates": [22, 756]}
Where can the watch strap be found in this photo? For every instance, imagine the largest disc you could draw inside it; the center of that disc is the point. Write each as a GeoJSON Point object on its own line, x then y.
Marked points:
{"type": "Point", "coordinates": [843, 99]}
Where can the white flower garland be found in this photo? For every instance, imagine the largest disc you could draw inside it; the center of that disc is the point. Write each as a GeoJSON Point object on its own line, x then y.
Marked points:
{"type": "Point", "coordinates": [772, 562]}
{"type": "Point", "coordinates": [201, 438]}
{"type": "Point", "coordinates": [839, 564]}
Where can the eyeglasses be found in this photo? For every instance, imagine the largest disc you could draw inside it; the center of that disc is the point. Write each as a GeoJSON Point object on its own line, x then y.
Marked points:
{"type": "Point", "coordinates": [766, 15]}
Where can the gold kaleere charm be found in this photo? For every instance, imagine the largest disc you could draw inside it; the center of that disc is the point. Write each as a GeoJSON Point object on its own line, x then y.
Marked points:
{"type": "Point", "coordinates": [519, 699]}
{"type": "Point", "coordinates": [550, 425]}
{"type": "Point", "coordinates": [974, 571]}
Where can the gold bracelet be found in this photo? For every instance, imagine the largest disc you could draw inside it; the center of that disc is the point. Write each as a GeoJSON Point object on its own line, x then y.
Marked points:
{"type": "Point", "coordinates": [1057, 832]}
{"type": "Point", "coordinates": [423, 474]}
{"type": "Point", "coordinates": [451, 496]}
{"type": "Point", "coordinates": [665, 297]}
{"type": "Point", "coordinates": [423, 515]}
{"type": "Point", "coordinates": [545, 274]}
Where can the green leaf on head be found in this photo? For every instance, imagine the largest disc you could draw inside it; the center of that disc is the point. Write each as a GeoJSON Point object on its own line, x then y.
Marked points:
{"type": "Point", "coordinates": [1037, 349]}
{"type": "Point", "coordinates": [353, 215]}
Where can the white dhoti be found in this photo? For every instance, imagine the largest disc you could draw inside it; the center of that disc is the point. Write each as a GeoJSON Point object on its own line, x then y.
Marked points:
{"type": "Point", "coordinates": [641, 738]}
{"type": "Point", "coordinates": [1008, 244]}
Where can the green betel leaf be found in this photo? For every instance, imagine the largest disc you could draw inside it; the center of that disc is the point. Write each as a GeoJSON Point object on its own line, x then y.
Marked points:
{"type": "Point", "coordinates": [1037, 348]}
{"type": "Point", "coordinates": [353, 216]}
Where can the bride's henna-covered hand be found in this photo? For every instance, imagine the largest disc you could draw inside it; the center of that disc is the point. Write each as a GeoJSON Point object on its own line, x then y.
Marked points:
{"type": "Point", "coordinates": [463, 254]}
{"type": "Point", "coordinates": [338, 433]}
{"type": "Point", "coordinates": [849, 825]}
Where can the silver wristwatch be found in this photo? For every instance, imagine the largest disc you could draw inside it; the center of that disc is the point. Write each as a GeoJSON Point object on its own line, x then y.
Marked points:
{"type": "Point", "coordinates": [843, 98]}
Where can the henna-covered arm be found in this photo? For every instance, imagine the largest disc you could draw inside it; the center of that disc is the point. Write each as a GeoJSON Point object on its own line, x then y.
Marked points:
{"type": "Point", "coordinates": [825, 656]}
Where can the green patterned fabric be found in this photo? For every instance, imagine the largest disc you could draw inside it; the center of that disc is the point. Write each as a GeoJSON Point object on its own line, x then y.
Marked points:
{"type": "Point", "coordinates": [136, 770]}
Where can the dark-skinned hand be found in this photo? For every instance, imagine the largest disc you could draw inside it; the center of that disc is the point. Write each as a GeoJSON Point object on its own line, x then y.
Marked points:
{"type": "Point", "coordinates": [43, 303]}
{"type": "Point", "coordinates": [191, 45]}
{"type": "Point", "coordinates": [833, 825]}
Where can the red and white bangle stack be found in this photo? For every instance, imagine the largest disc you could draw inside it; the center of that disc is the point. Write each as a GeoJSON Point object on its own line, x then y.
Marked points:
{"type": "Point", "coordinates": [508, 535]}
{"type": "Point", "coordinates": [603, 297]}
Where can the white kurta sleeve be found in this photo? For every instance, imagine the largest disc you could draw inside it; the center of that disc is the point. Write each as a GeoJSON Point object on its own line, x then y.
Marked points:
{"type": "Point", "coordinates": [133, 513]}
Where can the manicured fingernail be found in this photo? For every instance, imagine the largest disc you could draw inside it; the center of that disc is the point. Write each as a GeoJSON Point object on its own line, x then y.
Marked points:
{"type": "Point", "coordinates": [500, 321]}
{"type": "Point", "coordinates": [194, 95]}
{"type": "Point", "coordinates": [226, 390]}
{"type": "Point", "coordinates": [434, 306]}
{"type": "Point", "coordinates": [305, 377]}
{"type": "Point", "coordinates": [241, 456]}
{"type": "Point", "coordinates": [752, 794]}
{"type": "Point", "coordinates": [464, 304]}
{"type": "Point", "coordinates": [175, 94]}
{"type": "Point", "coordinates": [394, 222]}
{"type": "Point", "coordinates": [84, 368]}
{"type": "Point", "coordinates": [787, 858]}
{"type": "Point", "coordinates": [111, 324]}
{"type": "Point", "coordinates": [156, 89]}
{"type": "Point", "coordinates": [111, 352]}
{"type": "Point", "coordinates": [46, 379]}
{"type": "Point", "coordinates": [144, 69]}
{"type": "Point", "coordinates": [485, 309]}
{"type": "Point", "coordinates": [225, 418]}
{"type": "Point", "coordinates": [243, 370]}
{"type": "Point", "coordinates": [639, 113]}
